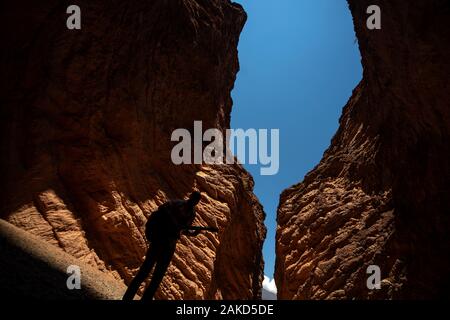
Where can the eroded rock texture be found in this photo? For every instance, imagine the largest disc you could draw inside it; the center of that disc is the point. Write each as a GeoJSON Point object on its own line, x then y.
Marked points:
{"type": "Point", "coordinates": [86, 121]}
{"type": "Point", "coordinates": [34, 269]}
{"type": "Point", "coordinates": [381, 193]}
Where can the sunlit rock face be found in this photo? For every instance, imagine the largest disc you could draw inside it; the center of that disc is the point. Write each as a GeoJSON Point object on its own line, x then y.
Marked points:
{"type": "Point", "coordinates": [32, 268]}
{"type": "Point", "coordinates": [381, 194]}
{"type": "Point", "coordinates": [86, 122]}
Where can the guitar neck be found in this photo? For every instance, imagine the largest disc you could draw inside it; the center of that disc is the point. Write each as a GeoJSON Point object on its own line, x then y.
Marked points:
{"type": "Point", "coordinates": [198, 228]}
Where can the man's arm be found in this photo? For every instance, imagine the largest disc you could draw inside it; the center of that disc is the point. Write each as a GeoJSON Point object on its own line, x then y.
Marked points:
{"type": "Point", "coordinates": [199, 228]}
{"type": "Point", "coordinates": [195, 230]}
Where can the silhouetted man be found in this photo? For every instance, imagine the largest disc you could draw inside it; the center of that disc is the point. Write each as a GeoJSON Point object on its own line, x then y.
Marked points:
{"type": "Point", "coordinates": [163, 229]}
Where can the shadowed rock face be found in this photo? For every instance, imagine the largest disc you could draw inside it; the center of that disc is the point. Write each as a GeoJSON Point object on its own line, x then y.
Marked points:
{"type": "Point", "coordinates": [33, 268]}
{"type": "Point", "coordinates": [381, 193]}
{"type": "Point", "coordinates": [86, 121]}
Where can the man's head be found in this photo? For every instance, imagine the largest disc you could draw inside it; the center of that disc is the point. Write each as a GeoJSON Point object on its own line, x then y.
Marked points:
{"type": "Point", "coordinates": [194, 198]}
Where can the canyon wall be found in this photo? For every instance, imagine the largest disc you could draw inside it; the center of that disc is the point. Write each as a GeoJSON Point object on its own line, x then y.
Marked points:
{"type": "Point", "coordinates": [381, 193]}
{"type": "Point", "coordinates": [86, 121]}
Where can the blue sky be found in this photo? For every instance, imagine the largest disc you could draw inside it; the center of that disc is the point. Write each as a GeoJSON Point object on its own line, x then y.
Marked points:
{"type": "Point", "coordinates": [299, 64]}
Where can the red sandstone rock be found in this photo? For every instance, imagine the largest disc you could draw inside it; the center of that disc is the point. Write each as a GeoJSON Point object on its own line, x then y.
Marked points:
{"type": "Point", "coordinates": [34, 269]}
{"type": "Point", "coordinates": [86, 121]}
{"type": "Point", "coordinates": [381, 193]}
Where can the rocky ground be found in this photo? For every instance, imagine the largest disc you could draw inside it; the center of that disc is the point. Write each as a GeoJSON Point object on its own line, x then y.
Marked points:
{"type": "Point", "coordinates": [32, 268]}
{"type": "Point", "coordinates": [85, 128]}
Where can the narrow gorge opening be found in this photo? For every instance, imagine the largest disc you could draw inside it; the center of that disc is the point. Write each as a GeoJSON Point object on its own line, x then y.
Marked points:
{"type": "Point", "coordinates": [91, 116]}
{"type": "Point", "coordinates": [299, 62]}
